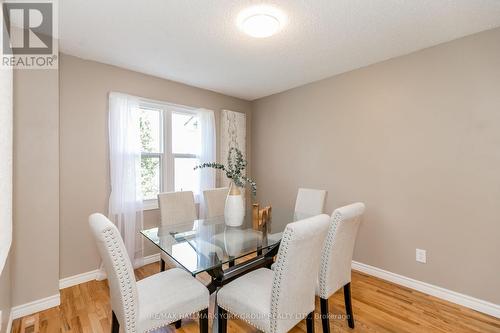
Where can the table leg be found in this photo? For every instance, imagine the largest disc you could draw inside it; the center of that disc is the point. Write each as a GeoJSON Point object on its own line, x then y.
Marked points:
{"type": "Point", "coordinates": [217, 275]}
{"type": "Point", "coordinates": [221, 277]}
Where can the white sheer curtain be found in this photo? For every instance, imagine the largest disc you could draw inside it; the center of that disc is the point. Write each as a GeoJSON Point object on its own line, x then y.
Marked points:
{"type": "Point", "coordinates": [125, 201]}
{"type": "Point", "coordinates": [5, 164]}
{"type": "Point", "coordinates": [207, 154]}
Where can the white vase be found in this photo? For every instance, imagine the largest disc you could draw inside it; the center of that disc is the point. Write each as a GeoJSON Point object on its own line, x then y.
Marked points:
{"type": "Point", "coordinates": [234, 210]}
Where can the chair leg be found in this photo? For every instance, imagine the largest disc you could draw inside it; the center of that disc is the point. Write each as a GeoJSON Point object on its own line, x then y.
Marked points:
{"type": "Point", "coordinates": [325, 320]}
{"type": "Point", "coordinates": [115, 325]}
{"type": "Point", "coordinates": [310, 322]}
{"type": "Point", "coordinates": [203, 321]}
{"type": "Point", "coordinates": [221, 320]}
{"type": "Point", "coordinates": [178, 323]}
{"type": "Point", "coordinates": [162, 265]}
{"type": "Point", "coordinates": [348, 305]}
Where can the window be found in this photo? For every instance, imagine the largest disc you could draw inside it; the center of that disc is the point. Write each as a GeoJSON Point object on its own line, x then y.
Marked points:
{"type": "Point", "coordinates": [151, 125]}
{"type": "Point", "coordinates": [170, 139]}
{"type": "Point", "coordinates": [185, 150]}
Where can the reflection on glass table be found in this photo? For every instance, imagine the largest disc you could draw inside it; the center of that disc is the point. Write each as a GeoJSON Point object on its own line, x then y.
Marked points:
{"type": "Point", "coordinates": [206, 245]}
{"type": "Point", "coordinates": [201, 245]}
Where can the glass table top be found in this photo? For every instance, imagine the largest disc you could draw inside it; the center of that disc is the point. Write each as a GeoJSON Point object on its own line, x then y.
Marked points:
{"type": "Point", "coordinates": [201, 245]}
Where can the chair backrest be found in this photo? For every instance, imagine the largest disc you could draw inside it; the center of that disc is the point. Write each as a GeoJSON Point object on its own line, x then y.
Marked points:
{"type": "Point", "coordinates": [295, 273]}
{"type": "Point", "coordinates": [336, 255]}
{"type": "Point", "coordinates": [177, 207]}
{"type": "Point", "coordinates": [309, 202]}
{"type": "Point", "coordinates": [121, 279]}
{"type": "Point", "coordinates": [215, 200]}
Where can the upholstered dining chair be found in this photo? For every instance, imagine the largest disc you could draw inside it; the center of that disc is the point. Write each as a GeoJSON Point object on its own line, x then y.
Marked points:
{"type": "Point", "coordinates": [215, 200]}
{"type": "Point", "coordinates": [336, 258]}
{"type": "Point", "coordinates": [150, 303]}
{"type": "Point", "coordinates": [175, 207]}
{"type": "Point", "coordinates": [275, 301]}
{"type": "Point", "coordinates": [309, 202]}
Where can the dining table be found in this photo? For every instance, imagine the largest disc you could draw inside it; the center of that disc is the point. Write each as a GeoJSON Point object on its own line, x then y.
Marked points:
{"type": "Point", "coordinates": [224, 252]}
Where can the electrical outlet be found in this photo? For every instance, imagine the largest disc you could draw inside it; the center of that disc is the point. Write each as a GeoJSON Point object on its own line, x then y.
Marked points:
{"type": "Point", "coordinates": [421, 256]}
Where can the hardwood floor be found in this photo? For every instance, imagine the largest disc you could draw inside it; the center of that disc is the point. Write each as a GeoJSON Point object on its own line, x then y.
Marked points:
{"type": "Point", "coordinates": [379, 306]}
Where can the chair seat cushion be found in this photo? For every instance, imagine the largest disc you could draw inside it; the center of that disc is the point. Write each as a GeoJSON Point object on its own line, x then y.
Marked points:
{"type": "Point", "coordinates": [249, 298]}
{"type": "Point", "coordinates": [169, 296]}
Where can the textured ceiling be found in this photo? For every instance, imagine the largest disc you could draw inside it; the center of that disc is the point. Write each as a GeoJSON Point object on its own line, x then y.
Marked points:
{"type": "Point", "coordinates": [197, 42]}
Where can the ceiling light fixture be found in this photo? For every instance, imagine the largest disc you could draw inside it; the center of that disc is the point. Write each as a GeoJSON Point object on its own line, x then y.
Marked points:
{"type": "Point", "coordinates": [261, 21]}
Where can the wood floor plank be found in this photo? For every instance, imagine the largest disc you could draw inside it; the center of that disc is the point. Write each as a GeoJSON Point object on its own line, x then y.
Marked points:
{"type": "Point", "coordinates": [379, 307]}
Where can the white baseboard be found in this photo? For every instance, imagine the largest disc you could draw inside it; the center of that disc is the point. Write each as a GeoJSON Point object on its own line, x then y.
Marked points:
{"type": "Point", "coordinates": [151, 259]}
{"type": "Point", "coordinates": [427, 288]}
{"type": "Point", "coordinates": [9, 323]}
{"type": "Point", "coordinates": [51, 301]}
{"type": "Point", "coordinates": [71, 281]}
{"type": "Point", "coordinates": [77, 279]}
{"type": "Point", "coordinates": [36, 306]}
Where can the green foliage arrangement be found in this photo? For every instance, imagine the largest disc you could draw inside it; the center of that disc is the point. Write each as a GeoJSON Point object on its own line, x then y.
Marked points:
{"type": "Point", "coordinates": [234, 168]}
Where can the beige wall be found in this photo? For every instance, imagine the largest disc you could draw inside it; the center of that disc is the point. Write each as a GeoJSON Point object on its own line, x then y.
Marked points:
{"type": "Point", "coordinates": [84, 146]}
{"type": "Point", "coordinates": [417, 139]}
{"type": "Point", "coordinates": [5, 295]}
{"type": "Point", "coordinates": [35, 251]}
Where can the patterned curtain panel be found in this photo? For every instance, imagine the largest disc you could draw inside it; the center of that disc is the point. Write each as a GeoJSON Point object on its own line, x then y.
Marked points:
{"type": "Point", "coordinates": [233, 134]}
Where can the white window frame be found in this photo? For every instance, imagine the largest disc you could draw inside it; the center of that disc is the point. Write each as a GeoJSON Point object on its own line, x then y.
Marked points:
{"type": "Point", "coordinates": [167, 157]}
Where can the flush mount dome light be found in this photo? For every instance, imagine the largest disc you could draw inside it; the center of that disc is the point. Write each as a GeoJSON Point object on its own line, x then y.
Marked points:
{"type": "Point", "coordinates": [261, 21]}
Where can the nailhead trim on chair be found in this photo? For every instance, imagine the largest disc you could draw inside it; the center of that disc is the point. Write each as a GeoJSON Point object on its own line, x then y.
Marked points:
{"type": "Point", "coordinates": [126, 292]}
{"type": "Point", "coordinates": [119, 263]}
{"type": "Point", "coordinates": [325, 255]}
{"type": "Point", "coordinates": [281, 265]}
{"type": "Point", "coordinates": [276, 287]}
